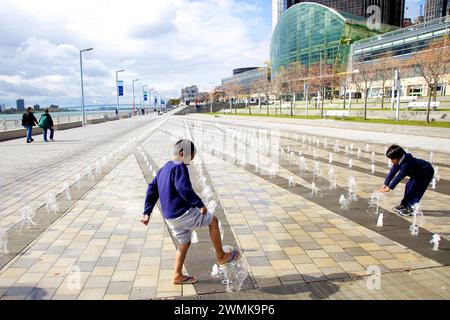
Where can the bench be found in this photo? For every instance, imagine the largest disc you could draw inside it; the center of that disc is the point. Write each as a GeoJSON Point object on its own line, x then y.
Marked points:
{"type": "Point", "coordinates": [423, 105]}
{"type": "Point", "coordinates": [337, 113]}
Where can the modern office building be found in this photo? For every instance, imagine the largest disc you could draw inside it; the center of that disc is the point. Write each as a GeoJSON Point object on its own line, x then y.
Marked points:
{"type": "Point", "coordinates": [245, 78]}
{"type": "Point", "coordinates": [401, 44]}
{"type": "Point", "coordinates": [312, 33]}
{"type": "Point", "coordinates": [435, 9]}
{"type": "Point", "coordinates": [189, 93]}
{"type": "Point", "coordinates": [20, 105]}
{"type": "Point", "coordinates": [2, 107]}
{"type": "Point", "coordinates": [391, 11]}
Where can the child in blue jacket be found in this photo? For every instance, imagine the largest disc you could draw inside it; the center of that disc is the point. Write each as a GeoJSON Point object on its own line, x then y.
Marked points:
{"type": "Point", "coordinates": [182, 209]}
{"type": "Point", "coordinates": [420, 173]}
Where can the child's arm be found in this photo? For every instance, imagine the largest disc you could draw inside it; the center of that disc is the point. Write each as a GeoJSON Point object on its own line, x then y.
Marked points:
{"type": "Point", "coordinates": [184, 187]}
{"type": "Point", "coordinates": [399, 177]}
{"type": "Point", "coordinates": [151, 197]}
{"type": "Point", "coordinates": [391, 175]}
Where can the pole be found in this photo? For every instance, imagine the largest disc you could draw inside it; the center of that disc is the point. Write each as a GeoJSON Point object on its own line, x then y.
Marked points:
{"type": "Point", "coordinates": [82, 89]}
{"type": "Point", "coordinates": [305, 90]}
{"type": "Point", "coordinates": [82, 84]}
{"type": "Point", "coordinates": [132, 113]}
{"type": "Point", "coordinates": [397, 100]}
{"type": "Point", "coordinates": [117, 88]}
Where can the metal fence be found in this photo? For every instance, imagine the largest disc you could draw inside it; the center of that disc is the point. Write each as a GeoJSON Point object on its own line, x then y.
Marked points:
{"type": "Point", "coordinates": [58, 119]}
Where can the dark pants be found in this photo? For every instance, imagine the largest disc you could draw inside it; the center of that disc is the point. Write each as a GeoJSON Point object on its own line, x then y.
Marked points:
{"type": "Point", "coordinates": [52, 132]}
{"type": "Point", "coordinates": [29, 132]}
{"type": "Point", "coordinates": [415, 188]}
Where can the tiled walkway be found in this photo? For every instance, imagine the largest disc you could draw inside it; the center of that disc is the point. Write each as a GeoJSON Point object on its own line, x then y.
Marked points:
{"type": "Point", "coordinates": [295, 246]}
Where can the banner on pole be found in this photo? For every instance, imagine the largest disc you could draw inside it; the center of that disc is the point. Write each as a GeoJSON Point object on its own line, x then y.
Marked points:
{"type": "Point", "coordinates": [145, 95]}
{"type": "Point", "coordinates": [120, 88]}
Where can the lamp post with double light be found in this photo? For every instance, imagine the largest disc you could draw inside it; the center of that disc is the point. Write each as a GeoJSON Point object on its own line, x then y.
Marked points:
{"type": "Point", "coordinates": [82, 85]}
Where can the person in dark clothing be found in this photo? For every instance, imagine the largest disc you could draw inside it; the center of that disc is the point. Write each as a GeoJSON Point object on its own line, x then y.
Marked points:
{"type": "Point", "coordinates": [46, 123]}
{"type": "Point", "coordinates": [29, 121]}
{"type": "Point", "coordinates": [420, 173]}
{"type": "Point", "coordinates": [182, 209]}
{"type": "Point", "coordinates": [117, 113]}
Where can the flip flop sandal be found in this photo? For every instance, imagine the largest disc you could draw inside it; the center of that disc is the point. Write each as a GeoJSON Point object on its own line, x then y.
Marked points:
{"type": "Point", "coordinates": [236, 254]}
{"type": "Point", "coordinates": [188, 280]}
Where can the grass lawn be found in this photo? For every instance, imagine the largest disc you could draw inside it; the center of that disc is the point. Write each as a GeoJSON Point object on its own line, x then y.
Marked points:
{"type": "Point", "coordinates": [348, 119]}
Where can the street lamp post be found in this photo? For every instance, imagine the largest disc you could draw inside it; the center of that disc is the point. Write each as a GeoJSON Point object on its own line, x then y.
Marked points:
{"type": "Point", "coordinates": [82, 86]}
{"type": "Point", "coordinates": [136, 80]}
{"type": "Point", "coordinates": [143, 96]}
{"type": "Point", "coordinates": [117, 86]}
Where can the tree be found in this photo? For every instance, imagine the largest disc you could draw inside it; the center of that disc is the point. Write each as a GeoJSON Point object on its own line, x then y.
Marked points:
{"type": "Point", "coordinates": [277, 86]}
{"type": "Point", "coordinates": [247, 91]}
{"type": "Point", "coordinates": [432, 64]}
{"type": "Point", "coordinates": [363, 77]}
{"type": "Point", "coordinates": [264, 86]}
{"type": "Point", "coordinates": [321, 77]}
{"type": "Point", "coordinates": [384, 69]}
{"type": "Point", "coordinates": [293, 78]}
{"type": "Point", "coordinates": [232, 90]}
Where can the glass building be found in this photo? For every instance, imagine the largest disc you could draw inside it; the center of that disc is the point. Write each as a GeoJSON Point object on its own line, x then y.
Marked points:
{"type": "Point", "coordinates": [246, 77]}
{"type": "Point", "coordinates": [391, 11]}
{"type": "Point", "coordinates": [400, 43]}
{"type": "Point", "coordinates": [311, 33]}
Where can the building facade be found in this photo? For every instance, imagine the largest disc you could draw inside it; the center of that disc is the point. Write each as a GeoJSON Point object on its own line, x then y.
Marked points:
{"type": "Point", "coordinates": [435, 9]}
{"type": "Point", "coordinates": [401, 44]}
{"type": "Point", "coordinates": [312, 33]}
{"type": "Point", "coordinates": [391, 12]}
{"type": "Point", "coordinates": [189, 93]}
{"type": "Point", "coordinates": [20, 105]}
{"type": "Point", "coordinates": [246, 78]}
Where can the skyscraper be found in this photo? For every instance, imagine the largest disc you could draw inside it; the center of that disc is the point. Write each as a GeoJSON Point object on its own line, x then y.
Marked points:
{"type": "Point", "coordinates": [435, 9]}
{"type": "Point", "coordinates": [20, 105]}
{"type": "Point", "coordinates": [391, 11]}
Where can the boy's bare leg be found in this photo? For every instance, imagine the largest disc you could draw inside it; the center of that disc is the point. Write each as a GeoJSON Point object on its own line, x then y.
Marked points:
{"type": "Point", "coordinates": [179, 261]}
{"type": "Point", "coordinates": [214, 233]}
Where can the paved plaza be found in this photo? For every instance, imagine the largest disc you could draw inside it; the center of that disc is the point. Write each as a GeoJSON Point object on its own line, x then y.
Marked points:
{"type": "Point", "coordinates": [297, 240]}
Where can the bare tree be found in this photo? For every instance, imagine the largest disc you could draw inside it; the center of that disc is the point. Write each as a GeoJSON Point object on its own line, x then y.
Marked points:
{"type": "Point", "coordinates": [384, 69]}
{"type": "Point", "coordinates": [432, 65]}
{"type": "Point", "coordinates": [278, 86]}
{"type": "Point", "coordinates": [232, 90]}
{"type": "Point", "coordinates": [320, 78]}
{"type": "Point", "coordinates": [363, 77]}
{"type": "Point", "coordinates": [264, 87]}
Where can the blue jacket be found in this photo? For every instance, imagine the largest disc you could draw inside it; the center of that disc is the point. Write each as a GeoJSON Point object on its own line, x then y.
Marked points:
{"type": "Point", "coordinates": [412, 167]}
{"type": "Point", "coordinates": [172, 186]}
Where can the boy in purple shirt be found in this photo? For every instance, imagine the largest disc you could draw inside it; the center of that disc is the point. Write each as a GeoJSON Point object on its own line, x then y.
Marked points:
{"type": "Point", "coordinates": [182, 209]}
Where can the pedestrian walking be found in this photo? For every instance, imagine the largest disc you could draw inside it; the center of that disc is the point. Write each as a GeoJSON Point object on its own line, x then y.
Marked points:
{"type": "Point", "coordinates": [29, 121]}
{"type": "Point", "coordinates": [46, 123]}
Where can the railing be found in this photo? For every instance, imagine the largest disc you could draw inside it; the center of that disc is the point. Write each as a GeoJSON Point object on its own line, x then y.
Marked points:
{"type": "Point", "coordinates": [58, 119]}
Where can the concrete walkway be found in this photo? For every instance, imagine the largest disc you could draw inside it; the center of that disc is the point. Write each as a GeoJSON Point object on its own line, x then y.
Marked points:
{"type": "Point", "coordinates": [296, 245]}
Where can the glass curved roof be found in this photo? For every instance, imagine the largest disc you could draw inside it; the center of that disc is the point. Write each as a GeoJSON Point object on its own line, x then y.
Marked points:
{"type": "Point", "coordinates": [311, 33]}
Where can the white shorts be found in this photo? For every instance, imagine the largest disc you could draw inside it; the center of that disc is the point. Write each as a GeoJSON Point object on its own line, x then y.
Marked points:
{"type": "Point", "coordinates": [183, 226]}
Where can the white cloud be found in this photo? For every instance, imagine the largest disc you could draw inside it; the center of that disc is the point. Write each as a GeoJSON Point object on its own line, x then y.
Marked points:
{"type": "Point", "coordinates": [168, 44]}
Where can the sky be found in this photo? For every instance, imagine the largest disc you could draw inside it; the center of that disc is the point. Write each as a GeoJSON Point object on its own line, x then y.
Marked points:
{"type": "Point", "coordinates": [167, 44]}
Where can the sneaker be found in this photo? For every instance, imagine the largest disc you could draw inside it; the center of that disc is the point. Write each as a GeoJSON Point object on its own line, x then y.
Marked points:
{"type": "Point", "coordinates": [32, 140]}
{"type": "Point", "coordinates": [406, 212]}
{"type": "Point", "coordinates": [399, 208]}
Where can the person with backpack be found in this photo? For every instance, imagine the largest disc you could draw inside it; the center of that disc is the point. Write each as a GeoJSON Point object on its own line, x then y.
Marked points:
{"type": "Point", "coordinates": [28, 121]}
{"type": "Point", "coordinates": [46, 123]}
